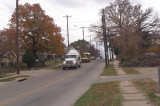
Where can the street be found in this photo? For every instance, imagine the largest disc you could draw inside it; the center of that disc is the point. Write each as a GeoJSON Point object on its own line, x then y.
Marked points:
{"type": "Point", "coordinates": [56, 87]}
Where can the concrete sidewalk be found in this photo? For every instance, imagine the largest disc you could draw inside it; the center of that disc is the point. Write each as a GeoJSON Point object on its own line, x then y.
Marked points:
{"type": "Point", "coordinates": [132, 96]}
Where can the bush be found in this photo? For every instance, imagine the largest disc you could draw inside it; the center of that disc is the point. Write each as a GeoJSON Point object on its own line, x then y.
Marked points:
{"type": "Point", "coordinates": [29, 59]}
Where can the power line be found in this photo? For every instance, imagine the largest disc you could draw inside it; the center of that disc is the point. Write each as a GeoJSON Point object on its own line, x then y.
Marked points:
{"type": "Point", "coordinates": [72, 29]}
{"type": "Point", "coordinates": [6, 13]}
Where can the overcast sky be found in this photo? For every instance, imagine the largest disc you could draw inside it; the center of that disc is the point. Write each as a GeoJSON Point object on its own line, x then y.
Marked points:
{"type": "Point", "coordinates": [82, 12]}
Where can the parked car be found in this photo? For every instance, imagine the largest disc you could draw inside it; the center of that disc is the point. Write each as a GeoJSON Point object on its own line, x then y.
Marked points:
{"type": "Point", "coordinates": [98, 58]}
{"type": "Point", "coordinates": [92, 58]}
{"type": "Point", "coordinates": [149, 56]}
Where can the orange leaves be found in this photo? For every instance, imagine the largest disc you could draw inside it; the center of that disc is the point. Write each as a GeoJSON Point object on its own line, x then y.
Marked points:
{"type": "Point", "coordinates": [37, 30]}
{"type": "Point", "coordinates": [7, 37]}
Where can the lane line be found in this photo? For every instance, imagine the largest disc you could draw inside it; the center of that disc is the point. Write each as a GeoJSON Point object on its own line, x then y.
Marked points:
{"type": "Point", "coordinates": [37, 89]}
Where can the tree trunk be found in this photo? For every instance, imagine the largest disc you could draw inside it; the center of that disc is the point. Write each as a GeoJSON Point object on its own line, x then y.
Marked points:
{"type": "Point", "coordinates": [34, 51]}
{"type": "Point", "coordinates": [0, 66]}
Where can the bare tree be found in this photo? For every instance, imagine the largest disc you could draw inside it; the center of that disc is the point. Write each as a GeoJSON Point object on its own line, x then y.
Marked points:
{"type": "Point", "coordinates": [127, 24]}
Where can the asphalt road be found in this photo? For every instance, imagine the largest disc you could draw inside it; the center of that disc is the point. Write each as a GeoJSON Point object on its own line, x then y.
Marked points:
{"type": "Point", "coordinates": [51, 87]}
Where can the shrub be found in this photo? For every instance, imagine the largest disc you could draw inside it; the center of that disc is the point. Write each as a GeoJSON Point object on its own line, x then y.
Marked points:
{"type": "Point", "coordinates": [29, 59]}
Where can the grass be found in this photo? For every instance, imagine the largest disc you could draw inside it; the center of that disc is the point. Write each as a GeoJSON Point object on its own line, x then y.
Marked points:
{"type": "Point", "coordinates": [109, 71]}
{"type": "Point", "coordinates": [149, 87]}
{"type": "Point", "coordinates": [55, 67]}
{"type": "Point", "coordinates": [52, 63]}
{"type": "Point", "coordinates": [24, 67]}
{"type": "Point", "coordinates": [101, 94]}
{"type": "Point", "coordinates": [2, 76]}
{"type": "Point", "coordinates": [12, 78]}
{"type": "Point", "coordinates": [130, 71]}
{"type": "Point", "coordinates": [7, 80]}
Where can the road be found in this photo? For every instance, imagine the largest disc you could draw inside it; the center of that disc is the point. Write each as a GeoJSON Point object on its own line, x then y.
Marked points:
{"type": "Point", "coordinates": [51, 87]}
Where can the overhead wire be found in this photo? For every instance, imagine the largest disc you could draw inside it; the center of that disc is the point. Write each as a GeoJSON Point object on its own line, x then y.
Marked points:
{"type": "Point", "coordinates": [6, 13]}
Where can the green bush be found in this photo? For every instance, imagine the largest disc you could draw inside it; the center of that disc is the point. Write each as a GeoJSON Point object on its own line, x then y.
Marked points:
{"type": "Point", "coordinates": [29, 59]}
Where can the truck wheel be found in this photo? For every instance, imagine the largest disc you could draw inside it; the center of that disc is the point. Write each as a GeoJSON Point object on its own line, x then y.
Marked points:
{"type": "Point", "coordinates": [76, 66]}
{"type": "Point", "coordinates": [79, 65]}
{"type": "Point", "coordinates": [64, 68]}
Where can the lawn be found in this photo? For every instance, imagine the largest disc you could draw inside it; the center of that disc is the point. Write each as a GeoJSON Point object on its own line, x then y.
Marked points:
{"type": "Point", "coordinates": [101, 94]}
{"type": "Point", "coordinates": [109, 71]}
{"type": "Point", "coordinates": [149, 87]}
{"type": "Point", "coordinates": [2, 76]}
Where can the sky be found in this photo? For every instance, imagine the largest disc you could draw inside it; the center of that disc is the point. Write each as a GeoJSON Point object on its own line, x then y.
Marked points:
{"type": "Point", "coordinates": [83, 13]}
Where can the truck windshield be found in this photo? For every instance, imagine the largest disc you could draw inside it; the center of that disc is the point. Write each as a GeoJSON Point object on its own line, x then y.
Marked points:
{"type": "Point", "coordinates": [70, 56]}
{"type": "Point", "coordinates": [84, 57]}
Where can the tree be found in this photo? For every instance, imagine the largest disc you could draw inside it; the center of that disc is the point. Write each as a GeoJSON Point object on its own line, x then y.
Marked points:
{"type": "Point", "coordinates": [88, 48]}
{"type": "Point", "coordinates": [38, 32]}
{"type": "Point", "coordinates": [126, 24]}
{"type": "Point", "coordinates": [7, 42]}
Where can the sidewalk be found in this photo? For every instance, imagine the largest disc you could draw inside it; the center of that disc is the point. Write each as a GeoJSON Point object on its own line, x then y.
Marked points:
{"type": "Point", "coordinates": [132, 96]}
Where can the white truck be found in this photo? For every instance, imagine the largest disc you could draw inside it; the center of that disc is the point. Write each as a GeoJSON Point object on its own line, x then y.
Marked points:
{"type": "Point", "coordinates": [72, 60]}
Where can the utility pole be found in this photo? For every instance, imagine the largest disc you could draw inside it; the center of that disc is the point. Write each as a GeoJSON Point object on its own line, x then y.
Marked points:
{"type": "Point", "coordinates": [104, 37]}
{"type": "Point", "coordinates": [67, 29]}
{"type": "Point", "coordinates": [96, 49]}
{"type": "Point", "coordinates": [83, 36]}
{"type": "Point", "coordinates": [83, 31]}
{"type": "Point", "coordinates": [90, 39]}
{"type": "Point", "coordinates": [17, 36]}
{"type": "Point", "coordinates": [90, 43]}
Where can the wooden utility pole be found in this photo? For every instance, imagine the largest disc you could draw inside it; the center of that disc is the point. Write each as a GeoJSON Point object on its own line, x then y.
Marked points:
{"type": "Point", "coordinates": [90, 39]}
{"type": "Point", "coordinates": [67, 30]}
{"type": "Point", "coordinates": [104, 38]}
{"type": "Point", "coordinates": [17, 36]}
{"type": "Point", "coordinates": [83, 36]}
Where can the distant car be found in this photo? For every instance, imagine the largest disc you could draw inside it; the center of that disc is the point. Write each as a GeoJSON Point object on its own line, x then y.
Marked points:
{"type": "Point", "coordinates": [98, 58]}
{"type": "Point", "coordinates": [92, 58]}
{"type": "Point", "coordinates": [150, 54]}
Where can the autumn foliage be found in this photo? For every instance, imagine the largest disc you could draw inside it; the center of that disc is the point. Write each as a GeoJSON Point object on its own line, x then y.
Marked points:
{"type": "Point", "coordinates": [7, 41]}
{"type": "Point", "coordinates": [37, 31]}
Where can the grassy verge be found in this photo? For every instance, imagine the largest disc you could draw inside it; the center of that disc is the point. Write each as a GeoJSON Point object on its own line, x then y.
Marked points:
{"type": "Point", "coordinates": [7, 80]}
{"type": "Point", "coordinates": [2, 76]}
{"type": "Point", "coordinates": [101, 94]}
{"type": "Point", "coordinates": [130, 70]}
{"type": "Point", "coordinates": [109, 71]}
{"type": "Point", "coordinates": [55, 67]}
{"type": "Point", "coordinates": [12, 78]}
{"type": "Point", "coordinates": [52, 63]}
{"type": "Point", "coordinates": [149, 87]}
{"type": "Point", "coordinates": [24, 66]}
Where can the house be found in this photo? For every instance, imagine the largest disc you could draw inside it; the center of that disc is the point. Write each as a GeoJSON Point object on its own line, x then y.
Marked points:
{"type": "Point", "coordinates": [9, 59]}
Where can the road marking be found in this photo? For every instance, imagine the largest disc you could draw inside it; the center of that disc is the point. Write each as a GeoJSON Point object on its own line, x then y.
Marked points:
{"type": "Point", "coordinates": [36, 90]}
